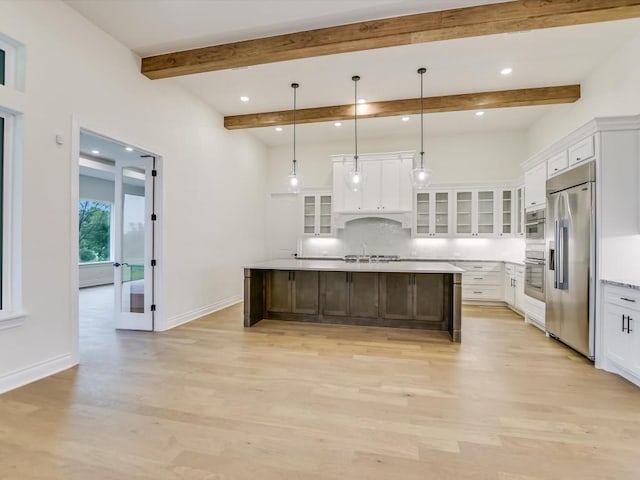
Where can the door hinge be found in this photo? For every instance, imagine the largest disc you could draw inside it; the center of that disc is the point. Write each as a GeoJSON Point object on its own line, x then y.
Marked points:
{"type": "Point", "coordinates": [153, 262]}
{"type": "Point", "coordinates": [154, 217]}
{"type": "Point", "coordinates": [153, 307]}
{"type": "Point", "coordinates": [154, 173]}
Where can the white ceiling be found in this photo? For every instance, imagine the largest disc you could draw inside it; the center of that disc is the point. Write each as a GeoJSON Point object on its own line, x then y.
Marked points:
{"type": "Point", "coordinates": [539, 58]}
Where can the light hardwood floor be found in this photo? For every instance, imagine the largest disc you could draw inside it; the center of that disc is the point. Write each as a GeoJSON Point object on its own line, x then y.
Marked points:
{"type": "Point", "coordinates": [211, 400]}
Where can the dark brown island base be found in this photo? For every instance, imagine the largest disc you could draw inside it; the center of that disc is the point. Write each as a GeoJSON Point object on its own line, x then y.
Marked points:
{"type": "Point", "coordinates": [425, 295]}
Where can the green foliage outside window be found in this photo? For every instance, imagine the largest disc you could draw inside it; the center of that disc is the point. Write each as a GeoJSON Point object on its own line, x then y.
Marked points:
{"type": "Point", "coordinates": [94, 221]}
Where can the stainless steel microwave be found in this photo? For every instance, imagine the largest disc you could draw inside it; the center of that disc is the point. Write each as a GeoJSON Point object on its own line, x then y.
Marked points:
{"type": "Point", "coordinates": [534, 226]}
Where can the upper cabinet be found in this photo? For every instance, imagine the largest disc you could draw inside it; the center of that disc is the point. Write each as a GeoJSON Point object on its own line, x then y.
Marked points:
{"type": "Point", "coordinates": [317, 214]}
{"type": "Point", "coordinates": [476, 213]}
{"type": "Point", "coordinates": [386, 185]}
{"type": "Point", "coordinates": [535, 181]}
{"type": "Point", "coordinates": [507, 207]}
{"type": "Point", "coordinates": [432, 214]}
{"type": "Point", "coordinates": [519, 212]}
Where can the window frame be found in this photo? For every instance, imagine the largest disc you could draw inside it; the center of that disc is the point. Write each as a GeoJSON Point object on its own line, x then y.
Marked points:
{"type": "Point", "coordinates": [10, 57]}
{"type": "Point", "coordinates": [11, 313]}
{"type": "Point", "coordinates": [111, 231]}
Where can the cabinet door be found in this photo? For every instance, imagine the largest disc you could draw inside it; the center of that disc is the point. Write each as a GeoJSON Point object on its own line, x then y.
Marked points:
{"type": "Point", "coordinates": [279, 291]}
{"type": "Point", "coordinates": [507, 210]}
{"type": "Point", "coordinates": [509, 290]}
{"type": "Point", "coordinates": [464, 213]}
{"type": "Point", "coordinates": [396, 295]}
{"type": "Point", "coordinates": [363, 294]}
{"type": "Point", "coordinates": [618, 344]}
{"type": "Point", "coordinates": [390, 190]}
{"type": "Point", "coordinates": [535, 181]}
{"type": "Point", "coordinates": [305, 292]}
{"type": "Point", "coordinates": [429, 297]}
{"type": "Point", "coordinates": [423, 214]}
{"type": "Point", "coordinates": [486, 215]}
{"type": "Point", "coordinates": [519, 212]}
{"type": "Point", "coordinates": [371, 188]}
{"type": "Point", "coordinates": [335, 291]}
{"type": "Point", "coordinates": [518, 281]}
{"type": "Point", "coordinates": [309, 215]}
{"type": "Point", "coordinates": [440, 216]}
{"type": "Point", "coordinates": [343, 198]}
{"type": "Point", "coordinates": [324, 215]}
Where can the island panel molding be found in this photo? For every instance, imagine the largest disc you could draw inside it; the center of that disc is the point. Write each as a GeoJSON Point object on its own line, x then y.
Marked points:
{"type": "Point", "coordinates": [389, 32]}
{"type": "Point", "coordinates": [523, 97]}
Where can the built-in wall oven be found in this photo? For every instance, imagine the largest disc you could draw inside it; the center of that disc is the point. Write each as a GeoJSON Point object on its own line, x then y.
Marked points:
{"type": "Point", "coordinates": [534, 226]}
{"type": "Point", "coordinates": [534, 271]}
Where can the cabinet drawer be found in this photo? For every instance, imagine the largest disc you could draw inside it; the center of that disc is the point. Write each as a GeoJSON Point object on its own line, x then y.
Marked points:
{"type": "Point", "coordinates": [557, 163]}
{"type": "Point", "coordinates": [509, 268]}
{"type": "Point", "coordinates": [481, 278]}
{"type": "Point", "coordinates": [519, 271]}
{"type": "Point", "coordinates": [480, 266]}
{"type": "Point", "coordinates": [481, 293]}
{"type": "Point", "coordinates": [581, 151]}
{"type": "Point", "coordinates": [623, 297]}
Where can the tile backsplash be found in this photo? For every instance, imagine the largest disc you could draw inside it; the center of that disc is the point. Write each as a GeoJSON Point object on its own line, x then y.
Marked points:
{"type": "Point", "coordinates": [375, 236]}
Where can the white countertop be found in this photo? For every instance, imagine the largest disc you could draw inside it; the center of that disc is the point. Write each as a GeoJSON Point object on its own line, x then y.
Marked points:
{"type": "Point", "coordinates": [427, 259]}
{"type": "Point", "coordinates": [342, 266]}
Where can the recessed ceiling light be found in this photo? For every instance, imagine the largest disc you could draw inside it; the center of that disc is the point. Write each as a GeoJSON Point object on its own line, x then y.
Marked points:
{"type": "Point", "coordinates": [337, 124]}
{"type": "Point", "coordinates": [128, 149]}
{"type": "Point", "coordinates": [506, 71]}
{"type": "Point", "coordinates": [406, 119]}
{"type": "Point", "coordinates": [480, 113]}
{"type": "Point", "coordinates": [95, 152]}
{"type": "Point", "coordinates": [244, 99]}
{"type": "Point", "coordinates": [361, 101]}
{"type": "Point", "coordinates": [278, 129]}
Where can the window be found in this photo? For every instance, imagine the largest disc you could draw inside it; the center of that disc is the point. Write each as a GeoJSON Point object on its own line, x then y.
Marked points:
{"type": "Point", "coordinates": [94, 223]}
{"type": "Point", "coordinates": [3, 56]}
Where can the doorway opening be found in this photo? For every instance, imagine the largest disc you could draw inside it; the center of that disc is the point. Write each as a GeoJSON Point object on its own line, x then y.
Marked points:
{"type": "Point", "coordinates": [118, 237]}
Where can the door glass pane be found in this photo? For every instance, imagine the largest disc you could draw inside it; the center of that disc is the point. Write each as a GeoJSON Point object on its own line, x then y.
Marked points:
{"type": "Point", "coordinates": [422, 215]}
{"type": "Point", "coordinates": [506, 211]}
{"type": "Point", "coordinates": [442, 212]}
{"type": "Point", "coordinates": [325, 214]}
{"type": "Point", "coordinates": [485, 212]}
{"type": "Point", "coordinates": [309, 214]}
{"type": "Point", "coordinates": [519, 211]}
{"type": "Point", "coordinates": [133, 223]}
{"type": "Point", "coordinates": [464, 204]}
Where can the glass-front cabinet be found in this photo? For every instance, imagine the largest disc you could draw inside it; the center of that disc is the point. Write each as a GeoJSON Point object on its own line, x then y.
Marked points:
{"type": "Point", "coordinates": [475, 213]}
{"type": "Point", "coordinates": [317, 214]}
{"type": "Point", "coordinates": [432, 214]}
{"type": "Point", "coordinates": [507, 203]}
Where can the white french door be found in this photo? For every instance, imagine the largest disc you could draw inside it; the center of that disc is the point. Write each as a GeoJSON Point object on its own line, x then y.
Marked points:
{"type": "Point", "coordinates": [133, 244]}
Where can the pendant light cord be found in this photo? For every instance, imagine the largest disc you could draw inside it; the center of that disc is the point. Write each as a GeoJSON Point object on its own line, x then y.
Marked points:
{"type": "Point", "coordinates": [422, 71]}
{"type": "Point", "coordinates": [295, 88]}
{"type": "Point", "coordinates": [355, 79]}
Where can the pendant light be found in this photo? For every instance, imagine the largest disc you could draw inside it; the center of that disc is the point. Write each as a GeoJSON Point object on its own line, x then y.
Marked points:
{"type": "Point", "coordinates": [421, 177]}
{"type": "Point", "coordinates": [294, 181]}
{"type": "Point", "coordinates": [354, 177]}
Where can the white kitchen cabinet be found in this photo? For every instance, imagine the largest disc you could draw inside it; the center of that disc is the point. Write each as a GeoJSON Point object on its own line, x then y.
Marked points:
{"type": "Point", "coordinates": [621, 332]}
{"type": "Point", "coordinates": [386, 183]}
{"type": "Point", "coordinates": [475, 213]}
{"type": "Point", "coordinates": [519, 212]}
{"type": "Point", "coordinates": [535, 181]}
{"type": "Point", "coordinates": [519, 302]}
{"type": "Point", "coordinates": [557, 163]}
{"type": "Point", "coordinates": [507, 210]}
{"type": "Point", "coordinates": [481, 282]}
{"type": "Point", "coordinates": [582, 151]}
{"type": "Point", "coordinates": [317, 214]}
{"type": "Point", "coordinates": [432, 214]}
{"type": "Point", "coordinates": [508, 286]}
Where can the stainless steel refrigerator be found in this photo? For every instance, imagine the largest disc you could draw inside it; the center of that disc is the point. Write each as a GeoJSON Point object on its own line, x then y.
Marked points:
{"type": "Point", "coordinates": [570, 242]}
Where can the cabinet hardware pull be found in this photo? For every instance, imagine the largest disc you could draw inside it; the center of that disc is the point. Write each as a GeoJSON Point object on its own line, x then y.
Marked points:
{"type": "Point", "coordinates": [623, 317]}
{"type": "Point", "coordinates": [475, 291]}
{"type": "Point", "coordinates": [477, 278]}
{"type": "Point", "coordinates": [477, 267]}
{"type": "Point", "coordinates": [628, 299]}
{"type": "Point", "coordinates": [629, 324]}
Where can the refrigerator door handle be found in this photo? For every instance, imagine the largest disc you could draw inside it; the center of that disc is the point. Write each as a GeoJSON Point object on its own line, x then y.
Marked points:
{"type": "Point", "coordinates": [564, 252]}
{"type": "Point", "coordinates": [556, 260]}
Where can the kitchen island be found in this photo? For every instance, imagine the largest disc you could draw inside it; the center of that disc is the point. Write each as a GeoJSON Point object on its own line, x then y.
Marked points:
{"type": "Point", "coordinates": [425, 295]}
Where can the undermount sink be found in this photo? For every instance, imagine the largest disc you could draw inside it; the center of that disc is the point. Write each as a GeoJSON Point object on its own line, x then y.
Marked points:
{"type": "Point", "coordinates": [371, 258]}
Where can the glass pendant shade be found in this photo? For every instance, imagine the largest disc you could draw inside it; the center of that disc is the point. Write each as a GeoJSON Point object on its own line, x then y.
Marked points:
{"type": "Point", "coordinates": [294, 183]}
{"type": "Point", "coordinates": [354, 180]}
{"type": "Point", "coordinates": [421, 177]}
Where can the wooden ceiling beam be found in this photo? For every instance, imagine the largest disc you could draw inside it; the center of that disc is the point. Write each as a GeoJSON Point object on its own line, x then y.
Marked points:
{"type": "Point", "coordinates": [388, 32]}
{"type": "Point", "coordinates": [410, 106]}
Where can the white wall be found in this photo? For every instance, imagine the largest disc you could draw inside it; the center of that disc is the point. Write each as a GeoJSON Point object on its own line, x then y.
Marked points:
{"type": "Point", "coordinates": [610, 90]}
{"type": "Point", "coordinates": [211, 226]}
{"type": "Point", "coordinates": [464, 158]}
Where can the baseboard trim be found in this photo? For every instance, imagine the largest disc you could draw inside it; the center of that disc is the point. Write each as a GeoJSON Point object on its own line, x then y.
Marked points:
{"type": "Point", "coordinates": [37, 371]}
{"type": "Point", "coordinates": [201, 312]}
